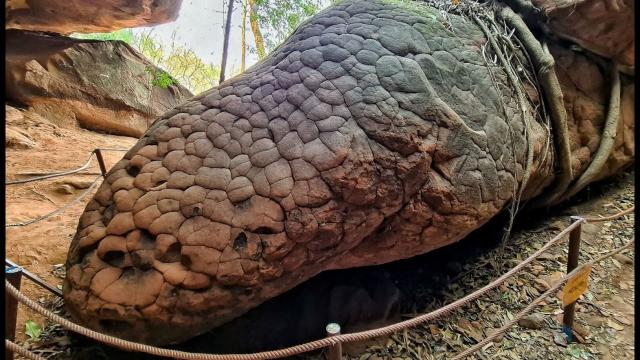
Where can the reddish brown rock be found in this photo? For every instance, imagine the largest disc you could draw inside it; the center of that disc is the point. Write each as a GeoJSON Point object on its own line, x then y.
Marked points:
{"type": "Point", "coordinates": [99, 85]}
{"type": "Point", "coordinates": [351, 145]}
{"type": "Point", "coordinates": [65, 17]}
{"type": "Point", "coordinates": [606, 27]}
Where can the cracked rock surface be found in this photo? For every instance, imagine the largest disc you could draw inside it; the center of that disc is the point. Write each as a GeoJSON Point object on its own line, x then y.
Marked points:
{"type": "Point", "coordinates": [372, 134]}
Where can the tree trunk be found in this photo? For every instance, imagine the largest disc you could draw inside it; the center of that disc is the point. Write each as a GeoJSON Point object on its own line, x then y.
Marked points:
{"type": "Point", "coordinates": [243, 36]}
{"type": "Point", "coordinates": [225, 46]}
{"type": "Point", "coordinates": [253, 19]}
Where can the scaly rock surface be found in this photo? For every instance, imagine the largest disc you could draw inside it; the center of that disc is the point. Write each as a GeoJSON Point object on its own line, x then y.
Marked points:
{"type": "Point", "coordinates": [376, 132]}
{"type": "Point", "coordinates": [99, 85]}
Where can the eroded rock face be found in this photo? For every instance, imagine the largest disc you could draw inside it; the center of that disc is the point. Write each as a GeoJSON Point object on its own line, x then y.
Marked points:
{"type": "Point", "coordinates": [99, 85]}
{"type": "Point", "coordinates": [65, 17]}
{"type": "Point", "coordinates": [371, 135]}
{"type": "Point", "coordinates": [603, 27]}
{"type": "Point", "coordinates": [586, 89]}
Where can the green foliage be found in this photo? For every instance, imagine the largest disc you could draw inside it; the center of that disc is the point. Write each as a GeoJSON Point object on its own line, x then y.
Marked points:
{"type": "Point", "coordinates": [178, 64]}
{"type": "Point", "coordinates": [279, 18]}
{"type": "Point", "coordinates": [32, 330]}
{"type": "Point", "coordinates": [125, 35]}
{"type": "Point", "coordinates": [159, 78]}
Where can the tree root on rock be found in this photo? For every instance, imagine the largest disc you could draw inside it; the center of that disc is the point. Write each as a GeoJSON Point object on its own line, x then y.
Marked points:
{"type": "Point", "coordinates": [543, 61]}
{"type": "Point", "coordinates": [606, 142]}
{"type": "Point", "coordinates": [521, 99]}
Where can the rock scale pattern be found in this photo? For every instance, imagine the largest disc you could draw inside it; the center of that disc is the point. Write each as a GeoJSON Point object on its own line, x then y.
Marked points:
{"type": "Point", "coordinates": [372, 134]}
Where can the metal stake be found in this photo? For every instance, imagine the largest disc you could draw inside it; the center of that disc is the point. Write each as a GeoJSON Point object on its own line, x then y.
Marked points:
{"type": "Point", "coordinates": [13, 274]}
{"type": "Point", "coordinates": [335, 351]}
{"type": "Point", "coordinates": [103, 168]}
{"type": "Point", "coordinates": [572, 263]}
{"type": "Point", "coordinates": [54, 290]}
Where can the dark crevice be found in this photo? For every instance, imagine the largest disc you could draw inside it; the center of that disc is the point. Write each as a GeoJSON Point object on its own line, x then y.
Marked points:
{"type": "Point", "coordinates": [197, 211]}
{"type": "Point", "coordinates": [142, 260]}
{"type": "Point", "coordinates": [172, 254]}
{"type": "Point", "coordinates": [128, 272]}
{"type": "Point", "coordinates": [147, 240]}
{"type": "Point", "coordinates": [383, 226]}
{"type": "Point", "coordinates": [132, 170]}
{"type": "Point", "coordinates": [264, 230]}
{"type": "Point", "coordinates": [185, 260]}
{"type": "Point", "coordinates": [83, 251]}
{"type": "Point", "coordinates": [240, 241]}
{"type": "Point", "coordinates": [108, 214]}
{"type": "Point", "coordinates": [114, 258]}
{"type": "Point", "coordinates": [114, 326]}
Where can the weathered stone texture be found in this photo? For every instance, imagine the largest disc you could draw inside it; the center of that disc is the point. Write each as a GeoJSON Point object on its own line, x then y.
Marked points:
{"type": "Point", "coordinates": [100, 85]}
{"type": "Point", "coordinates": [371, 135]}
{"type": "Point", "coordinates": [68, 16]}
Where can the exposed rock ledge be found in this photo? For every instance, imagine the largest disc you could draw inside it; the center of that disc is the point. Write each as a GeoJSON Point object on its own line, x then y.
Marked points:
{"type": "Point", "coordinates": [65, 17]}
{"type": "Point", "coordinates": [99, 85]}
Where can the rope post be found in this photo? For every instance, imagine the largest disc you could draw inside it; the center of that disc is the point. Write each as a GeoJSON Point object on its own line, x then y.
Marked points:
{"type": "Point", "coordinates": [103, 168]}
{"type": "Point", "coordinates": [52, 289]}
{"type": "Point", "coordinates": [335, 351]}
{"type": "Point", "coordinates": [572, 263]}
{"type": "Point", "coordinates": [13, 274]}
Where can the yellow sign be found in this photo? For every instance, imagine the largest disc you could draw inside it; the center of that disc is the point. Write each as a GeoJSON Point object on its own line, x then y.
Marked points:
{"type": "Point", "coordinates": [576, 286]}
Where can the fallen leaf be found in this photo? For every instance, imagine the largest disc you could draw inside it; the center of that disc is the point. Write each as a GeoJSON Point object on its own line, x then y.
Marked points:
{"type": "Point", "coordinates": [434, 330]}
{"type": "Point", "coordinates": [33, 330]}
{"type": "Point", "coordinates": [560, 338]}
{"type": "Point", "coordinates": [616, 263]}
{"type": "Point", "coordinates": [614, 325]}
{"type": "Point", "coordinates": [623, 320]}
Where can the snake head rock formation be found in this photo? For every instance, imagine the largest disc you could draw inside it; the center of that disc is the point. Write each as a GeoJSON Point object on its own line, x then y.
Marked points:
{"type": "Point", "coordinates": [376, 132]}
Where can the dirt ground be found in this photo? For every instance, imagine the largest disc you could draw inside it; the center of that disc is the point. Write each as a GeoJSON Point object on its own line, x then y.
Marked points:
{"type": "Point", "coordinates": [41, 248]}
{"type": "Point", "coordinates": [604, 318]}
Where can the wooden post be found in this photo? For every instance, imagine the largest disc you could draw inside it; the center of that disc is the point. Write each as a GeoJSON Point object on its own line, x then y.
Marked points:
{"type": "Point", "coordinates": [13, 274]}
{"type": "Point", "coordinates": [572, 263]}
{"type": "Point", "coordinates": [103, 168]}
{"type": "Point", "coordinates": [225, 45]}
{"type": "Point", "coordinates": [335, 351]}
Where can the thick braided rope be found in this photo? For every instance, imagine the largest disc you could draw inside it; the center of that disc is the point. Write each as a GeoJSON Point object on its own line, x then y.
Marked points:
{"type": "Point", "coordinates": [535, 302]}
{"type": "Point", "coordinates": [612, 217]}
{"type": "Point", "coordinates": [298, 349]}
{"type": "Point", "coordinates": [17, 349]}
{"type": "Point", "coordinates": [62, 173]}
{"type": "Point", "coordinates": [294, 350]}
{"type": "Point", "coordinates": [153, 350]}
{"type": "Point", "coordinates": [52, 175]}
{"type": "Point", "coordinates": [59, 210]}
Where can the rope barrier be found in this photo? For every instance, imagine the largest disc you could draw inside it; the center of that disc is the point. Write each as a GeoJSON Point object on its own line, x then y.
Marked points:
{"type": "Point", "coordinates": [612, 217]}
{"type": "Point", "coordinates": [59, 210]}
{"type": "Point", "coordinates": [313, 345]}
{"type": "Point", "coordinates": [34, 278]}
{"type": "Point", "coordinates": [535, 302]}
{"type": "Point", "coordinates": [294, 350]}
{"type": "Point", "coordinates": [113, 149]}
{"type": "Point", "coordinates": [62, 173]}
{"type": "Point", "coordinates": [17, 349]}
{"type": "Point", "coordinates": [52, 175]}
